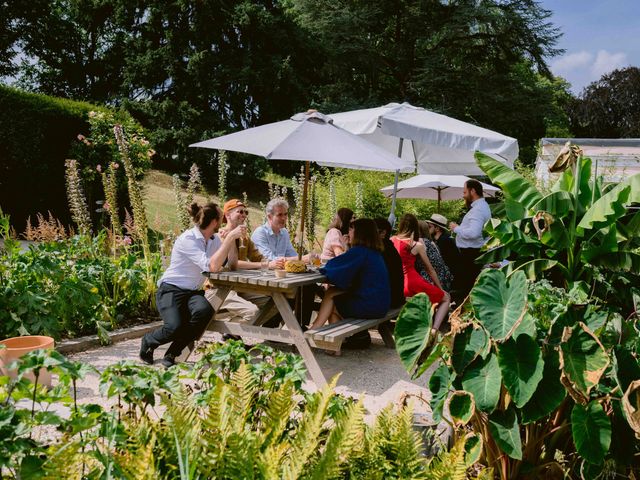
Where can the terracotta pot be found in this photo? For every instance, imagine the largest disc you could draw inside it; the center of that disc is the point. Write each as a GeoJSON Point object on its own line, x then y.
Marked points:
{"type": "Point", "coordinates": [19, 346]}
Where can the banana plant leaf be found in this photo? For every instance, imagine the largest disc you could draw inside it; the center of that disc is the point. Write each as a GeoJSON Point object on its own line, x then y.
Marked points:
{"type": "Point", "coordinates": [514, 185]}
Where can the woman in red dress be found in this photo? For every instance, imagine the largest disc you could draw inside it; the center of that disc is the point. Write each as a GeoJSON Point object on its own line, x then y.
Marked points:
{"type": "Point", "coordinates": [409, 247]}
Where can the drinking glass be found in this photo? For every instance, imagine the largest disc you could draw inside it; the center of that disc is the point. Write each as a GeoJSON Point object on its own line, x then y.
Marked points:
{"type": "Point", "coordinates": [264, 266]}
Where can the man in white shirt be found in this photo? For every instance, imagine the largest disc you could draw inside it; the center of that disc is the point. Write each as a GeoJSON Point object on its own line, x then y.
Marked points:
{"type": "Point", "coordinates": [469, 238]}
{"type": "Point", "coordinates": [180, 298]}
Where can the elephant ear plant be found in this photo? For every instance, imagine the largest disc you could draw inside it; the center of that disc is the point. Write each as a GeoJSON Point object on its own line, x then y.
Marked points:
{"type": "Point", "coordinates": [541, 361]}
{"type": "Point", "coordinates": [536, 402]}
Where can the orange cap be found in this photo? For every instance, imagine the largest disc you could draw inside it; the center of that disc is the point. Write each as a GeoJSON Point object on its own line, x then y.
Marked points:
{"type": "Point", "coordinates": [230, 205]}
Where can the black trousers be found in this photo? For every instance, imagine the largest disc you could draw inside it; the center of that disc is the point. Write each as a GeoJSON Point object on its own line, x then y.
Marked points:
{"type": "Point", "coordinates": [466, 273]}
{"type": "Point", "coordinates": [186, 313]}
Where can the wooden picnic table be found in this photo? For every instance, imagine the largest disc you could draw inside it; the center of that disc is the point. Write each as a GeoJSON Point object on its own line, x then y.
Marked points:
{"type": "Point", "coordinates": [279, 289]}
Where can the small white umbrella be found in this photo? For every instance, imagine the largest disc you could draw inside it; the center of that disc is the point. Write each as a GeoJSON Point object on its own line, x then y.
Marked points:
{"type": "Point", "coordinates": [438, 144]}
{"type": "Point", "coordinates": [313, 137]}
{"type": "Point", "coordinates": [435, 187]}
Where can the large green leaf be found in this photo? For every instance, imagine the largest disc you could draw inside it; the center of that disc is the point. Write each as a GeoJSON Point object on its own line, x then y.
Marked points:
{"type": "Point", "coordinates": [626, 367]}
{"type": "Point", "coordinates": [499, 304]}
{"type": "Point", "coordinates": [526, 327]}
{"type": "Point", "coordinates": [483, 379]}
{"type": "Point", "coordinates": [583, 360]}
{"type": "Point", "coordinates": [461, 407]}
{"type": "Point", "coordinates": [549, 393]}
{"type": "Point", "coordinates": [619, 261]}
{"type": "Point", "coordinates": [532, 268]}
{"type": "Point", "coordinates": [412, 330]}
{"type": "Point", "coordinates": [513, 185]}
{"type": "Point", "coordinates": [467, 345]}
{"type": "Point", "coordinates": [521, 365]}
{"type": "Point", "coordinates": [556, 203]}
{"type": "Point", "coordinates": [591, 431]}
{"type": "Point", "coordinates": [506, 432]}
{"type": "Point", "coordinates": [613, 204]}
{"type": "Point", "coordinates": [439, 385]}
{"type": "Point", "coordinates": [472, 448]}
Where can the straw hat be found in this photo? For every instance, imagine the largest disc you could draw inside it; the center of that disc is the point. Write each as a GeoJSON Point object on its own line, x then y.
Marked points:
{"type": "Point", "coordinates": [439, 220]}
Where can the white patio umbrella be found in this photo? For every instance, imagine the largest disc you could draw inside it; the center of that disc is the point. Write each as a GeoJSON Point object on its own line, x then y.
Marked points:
{"type": "Point", "coordinates": [438, 144]}
{"type": "Point", "coordinates": [312, 137]}
{"type": "Point", "coordinates": [435, 187]}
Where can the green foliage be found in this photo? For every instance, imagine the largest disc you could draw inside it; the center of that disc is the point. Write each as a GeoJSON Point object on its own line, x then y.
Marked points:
{"type": "Point", "coordinates": [339, 186]}
{"type": "Point", "coordinates": [578, 232]}
{"type": "Point", "coordinates": [608, 107]}
{"type": "Point", "coordinates": [38, 133]}
{"type": "Point", "coordinates": [551, 380]}
{"type": "Point", "coordinates": [238, 422]}
{"type": "Point", "coordinates": [71, 288]}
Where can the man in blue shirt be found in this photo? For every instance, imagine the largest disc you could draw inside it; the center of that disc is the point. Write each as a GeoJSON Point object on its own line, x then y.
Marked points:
{"type": "Point", "coordinates": [272, 239]}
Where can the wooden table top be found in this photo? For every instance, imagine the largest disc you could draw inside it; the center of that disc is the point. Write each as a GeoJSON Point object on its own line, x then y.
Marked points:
{"type": "Point", "coordinates": [254, 277]}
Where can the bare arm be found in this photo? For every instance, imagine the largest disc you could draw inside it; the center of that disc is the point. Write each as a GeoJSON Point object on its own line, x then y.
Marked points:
{"type": "Point", "coordinates": [420, 250]}
{"type": "Point", "coordinates": [337, 250]}
{"type": "Point", "coordinates": [227, 249]}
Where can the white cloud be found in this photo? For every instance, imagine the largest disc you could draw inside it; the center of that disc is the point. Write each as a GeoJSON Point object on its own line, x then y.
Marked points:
{"type": "Point", "coordinates": [606, 62]}
{"type": "Point", "coordinates": [582, 68]}
{"type": "Point", "coordinates": [572, 61]}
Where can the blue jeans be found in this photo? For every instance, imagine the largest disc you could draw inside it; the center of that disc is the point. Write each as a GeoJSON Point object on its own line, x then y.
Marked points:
{"type": "Point", "coordinates": [186, 313]}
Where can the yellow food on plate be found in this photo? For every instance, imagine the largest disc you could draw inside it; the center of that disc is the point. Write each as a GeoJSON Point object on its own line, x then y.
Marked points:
{"type": "Point", "coordinates": [295, 266]}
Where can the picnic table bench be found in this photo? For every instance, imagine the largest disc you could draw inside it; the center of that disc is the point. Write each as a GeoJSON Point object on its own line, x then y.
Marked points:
{"type": "Point", "coordinates": [331, 336]}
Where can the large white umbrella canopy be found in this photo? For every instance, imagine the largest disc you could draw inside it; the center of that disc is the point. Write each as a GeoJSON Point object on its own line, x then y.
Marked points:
{"type": "Point", "coordinates": [436, 144]}
{"type": "Point", "coordinates": [312, 137]}
{"type": "Point", "coordinates": [434, 187]}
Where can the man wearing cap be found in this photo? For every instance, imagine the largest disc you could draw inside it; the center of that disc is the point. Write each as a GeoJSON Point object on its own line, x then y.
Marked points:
{"type": "Point", "coordinates": [469, 237]}
{"type": "Point", "coordinates": [241, 306]}
{"type": "Point", "coordinates": [446, 244]}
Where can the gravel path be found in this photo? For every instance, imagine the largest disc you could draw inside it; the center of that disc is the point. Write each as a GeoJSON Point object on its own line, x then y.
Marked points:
{"type": "Point", "coordinates": [376, 373]}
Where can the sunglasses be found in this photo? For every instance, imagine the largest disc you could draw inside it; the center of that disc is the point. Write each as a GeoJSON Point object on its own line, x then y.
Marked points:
{"type": "Point", "coordinates": [243, 212]}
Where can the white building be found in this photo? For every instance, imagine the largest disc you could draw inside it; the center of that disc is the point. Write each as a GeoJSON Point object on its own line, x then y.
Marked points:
{"type": "Point", "coordinates": [612, 158]}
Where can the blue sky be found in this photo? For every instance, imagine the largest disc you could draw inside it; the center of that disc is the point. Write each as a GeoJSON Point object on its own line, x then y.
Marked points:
{"type": "Point", "coordinates": [599, 36]}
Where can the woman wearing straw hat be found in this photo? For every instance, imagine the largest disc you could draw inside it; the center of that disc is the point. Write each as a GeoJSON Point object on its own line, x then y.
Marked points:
{"type": "Point", "coordinates": [446, 244]}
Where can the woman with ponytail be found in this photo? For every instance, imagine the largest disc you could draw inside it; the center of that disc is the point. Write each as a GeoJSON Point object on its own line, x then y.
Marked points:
{"type": "Point", "coordinates": [180, 298]}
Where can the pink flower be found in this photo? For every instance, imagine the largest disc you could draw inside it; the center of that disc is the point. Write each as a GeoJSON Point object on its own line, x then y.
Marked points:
{"type": "Point", "coordinates": [81, 137]}
{"type": "Point", "coordinates": [99, 168]}
{"type": "Point", "coordinates": [106, 206]}
{"type": "Point", "coordinates": [126, 240]}
{"type": "Point", "coordinates": [116, 165]}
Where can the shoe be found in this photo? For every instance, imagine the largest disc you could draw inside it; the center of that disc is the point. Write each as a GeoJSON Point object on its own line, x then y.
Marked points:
{"type": "Point", "coordinates": [146, 352]}
{"type": "Point", "coordinates": [168, 361]}
{"type": "Point", "coordinates": [228, 336]}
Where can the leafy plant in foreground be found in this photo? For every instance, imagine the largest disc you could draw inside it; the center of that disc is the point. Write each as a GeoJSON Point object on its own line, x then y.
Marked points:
{"type": "Point", "coordinates": [535, 375]}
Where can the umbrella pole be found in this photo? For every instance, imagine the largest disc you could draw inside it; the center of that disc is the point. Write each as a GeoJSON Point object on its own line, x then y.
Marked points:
{"type": "Point", "coordinates": [304, 209]}
{"type": "Point", "coordinates": [392, 215]}
{"type": "Point", "coordinates": [438, 207]}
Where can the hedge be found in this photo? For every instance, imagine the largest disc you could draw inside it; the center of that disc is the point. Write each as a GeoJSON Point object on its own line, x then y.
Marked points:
{"type": "Point", "coordinates": [37, 133]}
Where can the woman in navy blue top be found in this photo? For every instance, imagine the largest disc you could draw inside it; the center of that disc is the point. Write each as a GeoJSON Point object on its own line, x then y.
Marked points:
{"type": "Point", "coordinates": [359, 278]}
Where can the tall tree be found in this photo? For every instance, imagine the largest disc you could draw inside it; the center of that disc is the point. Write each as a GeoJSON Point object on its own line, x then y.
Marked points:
{"type": "Point", "coordinates": [479, 61]}
{"type": "Point", "coordinates": [609, 107]}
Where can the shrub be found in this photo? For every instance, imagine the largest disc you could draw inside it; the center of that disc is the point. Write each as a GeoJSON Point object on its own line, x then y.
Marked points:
{"type": "Point", "coordinates": [38, 132]}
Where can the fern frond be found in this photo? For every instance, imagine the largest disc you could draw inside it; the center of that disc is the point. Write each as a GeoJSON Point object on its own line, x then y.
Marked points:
{"type": "Point", "coordinates": [137, 460]}
{"type": "Point", "coordinates": [307, 439]}
{"type": "Point", "coordinates": [244, 386]}
{"type": "Point", "coordinates": [280, 405]}
{"type": "Point", "coordinates": [345, 436]}
{"type": "Point", "coordinates": [449, 465]}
